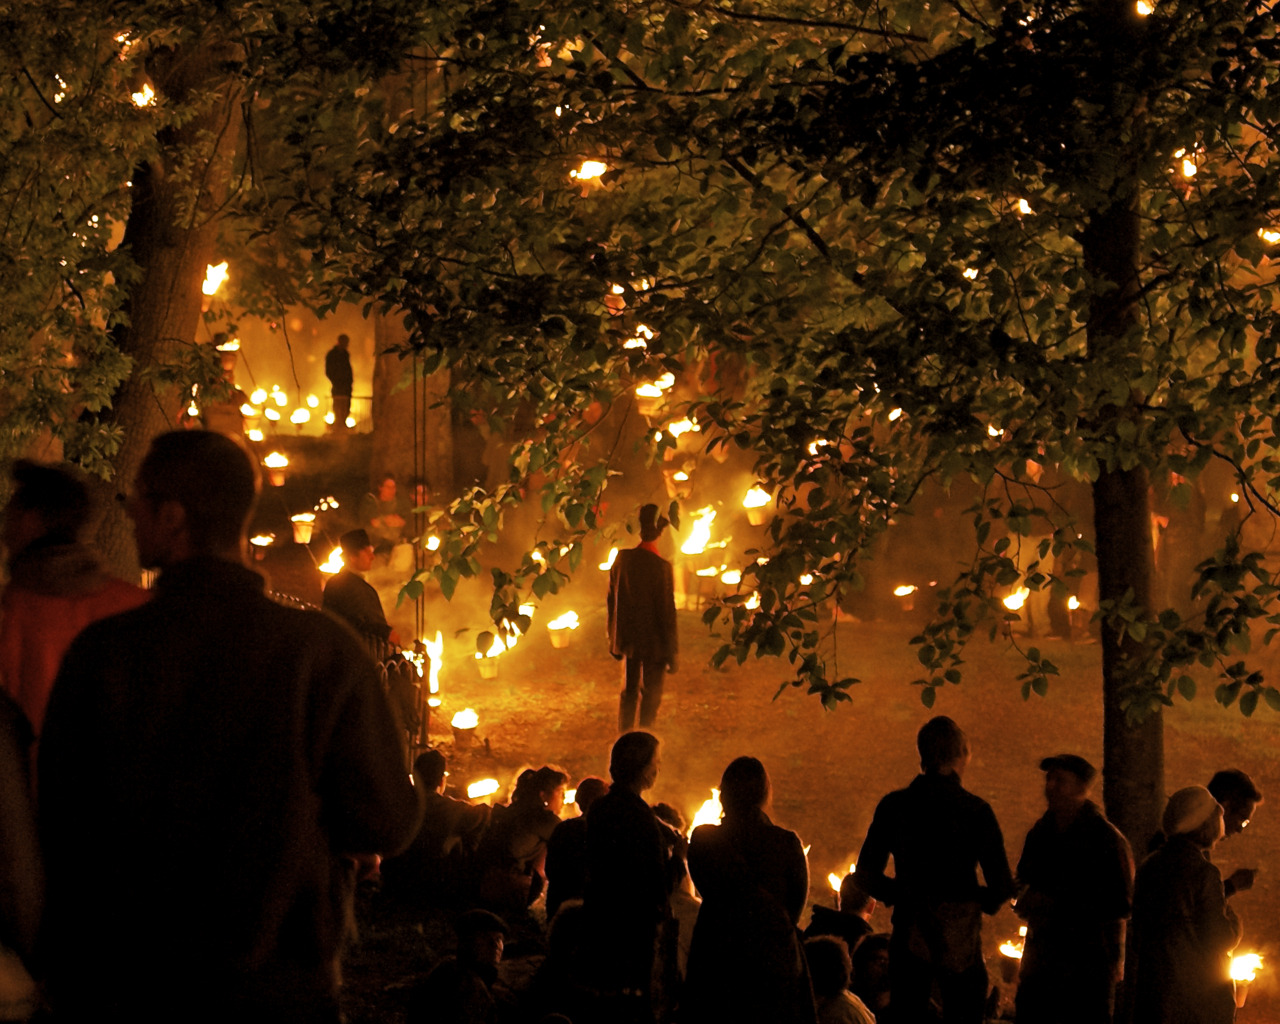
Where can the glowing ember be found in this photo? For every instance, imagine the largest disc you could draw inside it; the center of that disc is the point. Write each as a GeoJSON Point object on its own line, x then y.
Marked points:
{"type": "Point", "coordinates": [465, 719]}
{"type": "Point", "coordinates": [214, 276]}
{"type": "Point", "coordinates": [569, 620]}
{"type": "Point", "coordinates": [1245, 966]}
{"type": "Point", "coordinates": [333, 564]}
{"type": "Point", "coordinates": [1015, 601]}
{"type": "Point", "coordinates": [589, 169]}
{"type": "Point", "coordinates": [485, 787]}
{"type": "Point", "coordinates": [276, 460]}
{"type": "Point", "coordinates": [700, 535]}
{"type": "Point", "coordinates": [709, 813]}
{"type": "Point", "coordinates": [757, 497]}
{"type": "Point", "coordinates": [1235, 498]}
{"type": "Point", "coordinates": [905, 590]}
{"type": "Point", "coordinates": [607, 564]}
{"type": "Point", "coordinates": [731, 578]}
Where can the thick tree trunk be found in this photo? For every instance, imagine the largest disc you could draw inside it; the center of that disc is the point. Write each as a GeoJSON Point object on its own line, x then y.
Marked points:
{"type": "Point", "coordinates": [171, 235]}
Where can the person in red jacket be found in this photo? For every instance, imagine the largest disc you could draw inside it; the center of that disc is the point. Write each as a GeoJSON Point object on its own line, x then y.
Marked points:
{"type": "Point", "coordinates": [642, 622]}
{"type": "Point", "coordinates": [56, 584]}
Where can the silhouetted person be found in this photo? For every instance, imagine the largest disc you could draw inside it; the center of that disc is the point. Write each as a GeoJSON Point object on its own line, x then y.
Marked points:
{"type": "Point", "coordinates": [870, 981]}
{"type": "Point", "coordinates": [337, 367]}
{"type": "Point", "coordinates": [1183, 929]}
{"type": "Point", "coordinates": [459, 989]}
{"type": "Point", "coordinates": [1239, 798]}
{"type": "Point", "coordinates": [830, 968]}
{"type": "Point", "coordinates": [566, 865]}
{"type": "Point", "coordinates": [514, 848]}
{"type": "Point", "coordinates": [642, 622]}
{"type": "Point", "coordinates": [1075, 887]}
{"type": "Point", "coordinates": [938, 834]}
{"type": "Point", "coordinates": [627, 896]}
{"type": "Point", "coordinates": [434, 869]}
{"type": "Point", "coordinates": [850, 921]}
{"type": "Point", "coordinates": [350, 597]}
{"type": "Point", "coordinates": [746, 962]}
{"type": "Point", "coordinates": [209, 761]}
{"type": "Point", "coordinates": [56, 583]}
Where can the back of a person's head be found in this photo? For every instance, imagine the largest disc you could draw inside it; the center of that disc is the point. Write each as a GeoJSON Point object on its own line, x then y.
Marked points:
{"type": "Point", "coordinates": [671, 815]}
{"type": "Point", "coordinates": [430, 767]}
{"type": "Point", "coordinates": [744, 787]}
{"type": "Point", "coordinates": [589, 791]}
{"type": "Point", "coordinates": [829, 965]}
{"type": "Point", "coordinates": [853, 898]}
{"type": "Point", "coordinates": [941, 743]}
{"type": "Point", "coordinates": [353, 542]}
{"type": "Point", "coordinates": [210, 476]}
{"type": "Point", "coordinates": [631, 754]}
{"type": "Point", "coordinates": [1231, 784]}
{"type": "Point", "coordinates": [57, 494]}
{"type": "Point", "coordinates": [866, 954]}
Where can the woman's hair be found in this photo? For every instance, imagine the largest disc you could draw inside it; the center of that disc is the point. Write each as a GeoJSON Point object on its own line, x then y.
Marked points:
{"type": "Point", "coordinates": [535, 785]}
{"type": "Point", "coordinates": [744, 786]}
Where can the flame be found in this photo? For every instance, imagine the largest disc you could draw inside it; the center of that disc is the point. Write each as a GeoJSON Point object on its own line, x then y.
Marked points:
{"type": "Point", "coordinates": [145, 97]}
{"type": "Point", "coordinates": [569, 620]}
{"type": "Point", "coordinates": [276, 460]}
{"type": "Point", "coordinates": [570, 797]}
{"type": "Point", "coordinates": [1269, 235]}
{"type": "Point", "coordinates": [757, 497]}
{"type": "Point", "coordinates": [506, 637]}
{"type": "Point", "coordinates": [259, 396]}
{"type": "Point", "coordinates": [684, 426]}
{"type": "Point", "coordinates": [834, 880]}
{"type": "Point", "coordinates": [607, 564]}
{"type": "Point", "coordinates": [214, 275]}
{"type": "Point", "coordinates": [589, 169]}
{"type": "Point", "coordinates": [1235, 498]}
{"type": "Point", "coordinates": [711, 570]}
{"type": "Point", "coordinates": [193, 410]}
{"type": "Point", "coordinates": [248, 410]}
{"type": "Point", "coordinates": [1245, 966]}
{"type": "Point", "coordinates": [993, 430]}
{"type": "Point", "coordinates": [303, 517]}
{"type": "Point", "coordinates": [806, 579]}
{"type": "Point", "coordinates": [640, 339]}
{"type": "Point", "coordinates": [905, 590]}
{"type": "Point", "coordinates": [435, 651]}
{"type": "Point", "coordinates": [970, 273]}
{"type": "Point", "coordinates": [256, 435]}
{"type": "Point", "coordinates": [1073, 603]}
{"type": "Point", "coordinates": [485, 787]}
{"type": "Point", "coordinates": [895, 414]}
{"type": "Point", "coordinates": [1189, 168]}
{"type": "Point", "coordinates": [229, 346]}
{"type": "Point", "coordinates": [433, 543]}
{"type": "Point", "coordinates": [657, 387]}
{"type": "Point", "coordinates": [271, 414]}
{"type": "Point", "coordinates": [333, 564]}
{"type": "Point", "coordinates": [1013, 949]}
{"type": "Point", "coordinates": [1024, 207]}
{"type": "Point", "coordinates": [700, 535]}
{"type": "Point", "coordinates": [313, 402]}
{"type": "Point", "coordinates": [278, 396]}
{"type": "Point", "coordinates": [300, 416]}
{"type": "Point", "coordinates": [709, 813]}
{"type": "Point", "coordinates": [814, 446]}
{"type": "Point", "coordinates": [680, 477]}
{"type": "Point", "coordinates": [731, 578]}
{"type": "Point", "coordinates": [262, 540]}
{"type": "Point", "coordinates": [1144, 8]}
{"type": "Point", "coordinates": [1015, 601]}
{"type": "Point", "coordinates": [465, 719]}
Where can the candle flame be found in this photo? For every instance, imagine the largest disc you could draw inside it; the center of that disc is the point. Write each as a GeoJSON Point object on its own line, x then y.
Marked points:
{"type": "Point", "coordinates": [905, 590]}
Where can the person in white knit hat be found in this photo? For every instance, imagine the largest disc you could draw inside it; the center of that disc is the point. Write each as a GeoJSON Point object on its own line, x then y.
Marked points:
{"type": "Point", "coordinates": [1184, 931]}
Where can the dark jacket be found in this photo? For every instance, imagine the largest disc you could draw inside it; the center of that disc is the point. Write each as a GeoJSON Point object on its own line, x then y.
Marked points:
{"type": "Point", "coordinates": [207, 762]}
{"type": "Point", "coordinates": [337, 367]}
{"type": "Point", "coordinates": [1184, 931]}
{"type": "Point", "coordinates": [745, 963]}
{"type": "Point", "coordinates": [351, 597]}
{"type": "Point", "coordinates": [642, 606]}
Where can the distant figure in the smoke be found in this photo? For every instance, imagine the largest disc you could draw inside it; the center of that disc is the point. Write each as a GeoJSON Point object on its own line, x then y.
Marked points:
{"type": "Point", "coordinates": [211, 764]}
{"type": "Point", "coordinates": [56, 584]}
{"type": "Point", "coordinates": [938, 834]}
{"type": "Point", "coordinates": [349, 597]}
{"type": "Point", "coordinates": [337, 367]}
{"type": "Point", "coordinates": [1075, 888]}
{"type": "Point", "coordinates": [642, 621]}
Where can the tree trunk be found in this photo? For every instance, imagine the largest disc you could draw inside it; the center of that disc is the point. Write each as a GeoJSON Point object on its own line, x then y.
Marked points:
{"type": "Point", "coordinates": [404, 444]}
{"type": "Point", "coordinates": [171, 234]}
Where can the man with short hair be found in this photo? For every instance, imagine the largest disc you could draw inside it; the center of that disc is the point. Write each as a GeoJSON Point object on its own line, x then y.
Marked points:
{"type": "Point", "coordinates": [850, 921]}
{"type": "Point", "coordinates": [210, 760]}
{"type": "Point", "coordinates": [642, 622]}
{"type": "Point", "coordinates": [1075, 881]}
{"type": "Point", "coordinates": [1239, 797]}
{"type": "Point", "coordinates": [350, 597]}
{"type": "Point", "coordinates": [337, 367]}
{"type": "Point", "coordinates": [938, 834]}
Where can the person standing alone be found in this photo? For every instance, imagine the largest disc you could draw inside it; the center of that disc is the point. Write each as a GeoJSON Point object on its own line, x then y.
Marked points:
{"type": "Point", "coordinates": [642, 622]}
{"type": "Point", "coordinates": [337, 367]}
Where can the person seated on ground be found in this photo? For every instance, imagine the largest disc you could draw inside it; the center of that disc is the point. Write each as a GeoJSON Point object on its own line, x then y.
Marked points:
{"type": "Point", "coordinates": [566, 862]}
{"type": "Point", "coordinates": [513, 851]}
{"type": "Point", "coordinates": [851, 920]}
{"type": "Point", "coordinates": [432, 871]}
{"type": "Point", "coordinates": [870, 981]}
{"type": "Point", "coordinates": [352, 599]}
{"type": "Point", "coordinates": [1239, 797]}
{"type": "Point", "coordinates": [380, 515]}
{"type": "Point", "coordinates": [460, 988]}
{"type": "Point", "coordinates": [829, 969]}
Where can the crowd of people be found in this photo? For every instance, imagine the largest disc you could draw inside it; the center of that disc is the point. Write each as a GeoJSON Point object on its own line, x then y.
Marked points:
{"type": "Point", "coordinates": [197, 779]}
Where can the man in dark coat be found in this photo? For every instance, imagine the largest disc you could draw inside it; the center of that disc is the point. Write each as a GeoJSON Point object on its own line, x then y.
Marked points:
{"type": "Point", "coordinates": [642, 622]}
{"type": "Point", "coordinates": [350, 597]}
{"type": "Point", "coordinates": [1183, 928]}
{"type": "Point", "coordinates": [1075, 882]}
{"type": "Point", "coordinates": [938, 834]}
{"type": "Point", "coordinates": [337, 367]}
{"type": "Point", "coordinates": [212, 764]}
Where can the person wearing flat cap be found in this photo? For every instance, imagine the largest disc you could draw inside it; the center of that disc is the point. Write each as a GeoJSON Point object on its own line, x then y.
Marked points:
{"type": "Point", "coordinates": [1075, 885]}
{"type": "Point", "coordinates": [642, 622]}
{"type": "Point", "coordinates": [1184, 931]}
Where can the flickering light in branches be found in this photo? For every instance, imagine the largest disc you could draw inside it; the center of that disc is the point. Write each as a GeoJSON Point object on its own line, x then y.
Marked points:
{"type": "Point", "coordinates": [1145, 8]}
{"type": "Point", "coordinates": [214, 276]}
{"type": "Point", "coordinates": [145, 97]}
{"type": "Point", "coordinates": [590, 169]}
